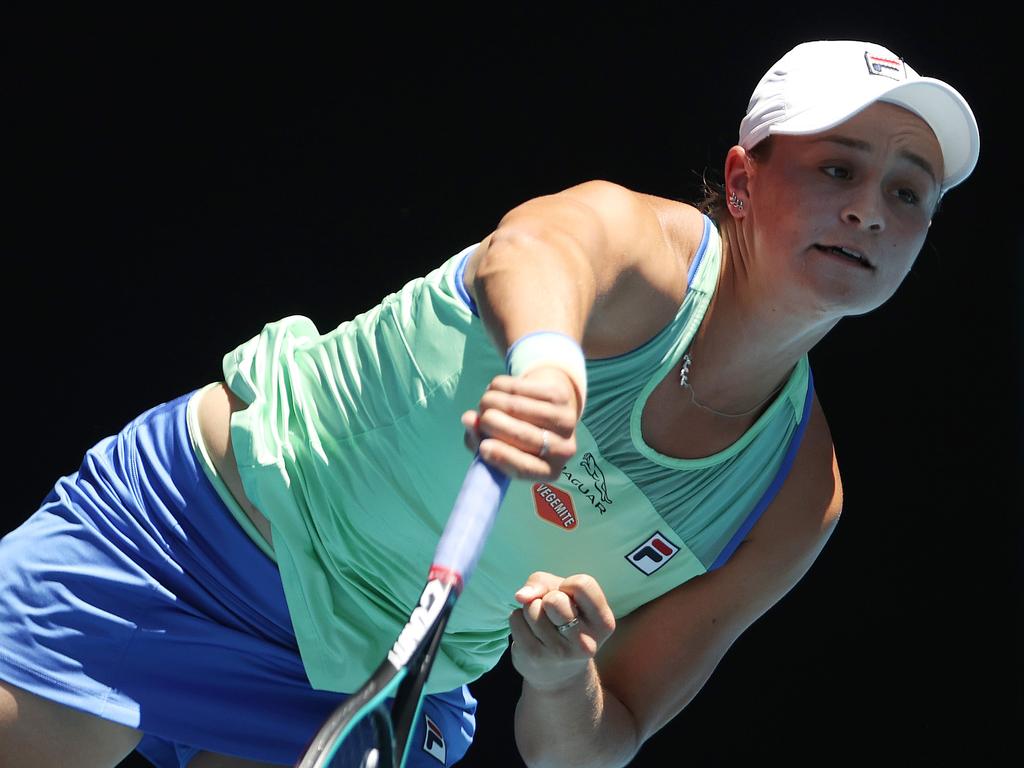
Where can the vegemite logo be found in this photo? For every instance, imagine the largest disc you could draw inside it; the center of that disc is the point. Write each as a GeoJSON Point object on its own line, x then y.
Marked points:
{"type": "Point", "coordinates": [433, 741]}
{"type": "Point", "coordinates": [885, 66]}
{"type": "Point", "coordinates": [554, 505]}
{"type": "Point", "coordinates": [652, 554]}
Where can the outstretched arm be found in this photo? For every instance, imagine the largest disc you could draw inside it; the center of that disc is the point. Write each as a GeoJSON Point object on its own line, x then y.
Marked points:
{"type": "Point", "coordinates": [579, 263]}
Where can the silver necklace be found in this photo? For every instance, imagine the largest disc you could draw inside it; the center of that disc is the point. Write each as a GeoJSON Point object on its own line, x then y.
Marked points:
{"type": "Point", "coordinates": [684, 382]}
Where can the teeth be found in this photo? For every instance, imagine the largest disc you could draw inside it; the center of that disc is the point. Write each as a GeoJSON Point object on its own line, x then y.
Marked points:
{"type": "Point", "coordinates": [843, 252]}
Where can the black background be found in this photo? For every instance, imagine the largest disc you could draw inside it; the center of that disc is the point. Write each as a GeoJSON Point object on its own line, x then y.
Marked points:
{"type": "Point", "coordinates": [174, 181]}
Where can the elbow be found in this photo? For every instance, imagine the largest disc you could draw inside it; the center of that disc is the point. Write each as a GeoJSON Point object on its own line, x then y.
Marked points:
{"type": "Point", "coordinates": [518, 244]}
{"type": "Point", "coordinates": [613, 742]}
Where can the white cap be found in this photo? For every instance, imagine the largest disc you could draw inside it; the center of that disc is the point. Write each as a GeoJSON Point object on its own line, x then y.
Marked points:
{"type": "Point", "coordinates": [818, 85]}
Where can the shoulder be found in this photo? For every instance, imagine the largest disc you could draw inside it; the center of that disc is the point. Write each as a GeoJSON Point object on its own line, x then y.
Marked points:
{"type": "Point", "coordinates": [674, 227]}
{"type": "Point", "coordinates": [633, 219]}
{"type": "Point", "coordinates": [631, 249]}
{"type": "Point", "coordinates": [680, 224]}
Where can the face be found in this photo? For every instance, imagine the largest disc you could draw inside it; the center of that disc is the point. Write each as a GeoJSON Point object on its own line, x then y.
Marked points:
{"type": "Point", "coordinates": [840, 216]}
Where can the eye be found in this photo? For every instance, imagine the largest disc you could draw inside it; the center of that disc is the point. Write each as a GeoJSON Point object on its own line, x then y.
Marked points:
{"type": "Point", "coordinates": [908, 196]}
{"type": "Point", "coordinates": [836, 171]}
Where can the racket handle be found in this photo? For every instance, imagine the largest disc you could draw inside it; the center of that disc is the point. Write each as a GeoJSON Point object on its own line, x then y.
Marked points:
{"type": "Point", "coordinates": [470, 522]}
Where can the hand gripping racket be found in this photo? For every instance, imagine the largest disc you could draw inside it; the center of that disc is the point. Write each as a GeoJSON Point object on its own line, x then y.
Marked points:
{"type": "Point", "coordinates": [363, 732]}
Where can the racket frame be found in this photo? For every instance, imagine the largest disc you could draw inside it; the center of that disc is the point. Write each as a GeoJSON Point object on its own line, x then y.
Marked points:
{"type": "Point", "coordinates": [455, 558]}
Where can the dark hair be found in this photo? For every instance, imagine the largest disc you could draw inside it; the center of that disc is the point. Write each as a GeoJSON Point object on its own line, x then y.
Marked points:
{"type": "Point", "coordinates": [714, 203]}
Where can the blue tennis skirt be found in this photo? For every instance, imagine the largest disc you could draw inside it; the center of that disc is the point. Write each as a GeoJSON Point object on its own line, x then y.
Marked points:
{"type": "Point", "coordinates": [134, 595]}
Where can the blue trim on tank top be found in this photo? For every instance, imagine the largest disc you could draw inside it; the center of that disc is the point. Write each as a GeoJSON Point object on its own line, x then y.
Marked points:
{"type": "Point", "coordinates": [773, 489]}
{"type": "Point", "coordinates": [701, 250]}
{"type": "Point", "coordinates": [460, 271]}
{"type": "Point", "coordinates": [460, 285]}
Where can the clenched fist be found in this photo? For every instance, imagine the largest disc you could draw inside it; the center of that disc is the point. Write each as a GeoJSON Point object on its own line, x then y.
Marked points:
{"type": "Point", "coordinates": [559, 629]}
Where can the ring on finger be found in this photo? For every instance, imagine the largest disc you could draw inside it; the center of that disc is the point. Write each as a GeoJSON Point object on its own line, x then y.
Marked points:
{"type": "Point", "coordinates": [564, 628]}
{"type": "Point", "coordinates": [544, 445]}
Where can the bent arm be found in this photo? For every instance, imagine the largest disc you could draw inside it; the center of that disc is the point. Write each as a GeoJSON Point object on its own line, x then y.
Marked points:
{"type": "Point", "coordinates": [662, 654]}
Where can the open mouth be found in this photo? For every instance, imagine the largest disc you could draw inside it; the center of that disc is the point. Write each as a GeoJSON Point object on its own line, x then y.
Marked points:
{"type": "Point", "coordinates": [846, 254]}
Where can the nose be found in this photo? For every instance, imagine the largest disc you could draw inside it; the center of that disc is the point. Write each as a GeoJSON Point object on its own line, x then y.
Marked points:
{"type": "Point", "coordinates": [865, 210]}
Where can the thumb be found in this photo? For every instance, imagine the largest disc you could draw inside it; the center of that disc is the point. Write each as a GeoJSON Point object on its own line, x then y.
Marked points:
{"type": "Point", "coordinates": [537, 585]}
{"type": "Point", "coordinates": [471, 422]}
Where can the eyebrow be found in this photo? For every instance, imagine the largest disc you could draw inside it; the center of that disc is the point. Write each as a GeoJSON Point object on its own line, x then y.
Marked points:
{"type": "Point", "coordinates": [864, 146]}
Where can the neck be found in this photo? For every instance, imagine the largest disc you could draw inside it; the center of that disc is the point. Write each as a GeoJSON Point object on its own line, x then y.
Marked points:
{"type": "Point", "coordinates": [752, 335]}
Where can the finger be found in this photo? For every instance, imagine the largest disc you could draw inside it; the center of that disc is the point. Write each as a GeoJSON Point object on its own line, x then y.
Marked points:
{"type": "Point", "coordinates": [557, 389]}
{"type": "Point", "coordinates": [471, 421]}
{"type": "Point", "coordinates": [559, 608]}
{"type": "Point", "coordinates": [591, 604]}
{"type": "Point", "coordinates": [540, 625]}
{"type": "Point", "coordinates": [526, 651]}
{"type": "Point", "coordinates": [537, 585]}
{"type": "Point", "coordinates": [527, 437]}
{"type": "Point", "coordinates": [516, 463]}
{"type": "Point", "coordinates": [559, 418]}
{"type": "Point", "coordinates": [522, 634]}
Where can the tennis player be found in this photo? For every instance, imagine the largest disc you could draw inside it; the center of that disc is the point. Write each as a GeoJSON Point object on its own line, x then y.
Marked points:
{"type": "Point", "coordinates": [215, 577]}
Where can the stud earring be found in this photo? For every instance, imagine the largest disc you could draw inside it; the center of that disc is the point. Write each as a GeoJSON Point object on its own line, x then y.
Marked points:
{"type": "Point", "coordinates": [735, 202]}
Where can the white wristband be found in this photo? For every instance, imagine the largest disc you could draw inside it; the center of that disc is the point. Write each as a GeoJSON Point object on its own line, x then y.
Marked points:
{"type": "Point", "coordinates": [550, 348]}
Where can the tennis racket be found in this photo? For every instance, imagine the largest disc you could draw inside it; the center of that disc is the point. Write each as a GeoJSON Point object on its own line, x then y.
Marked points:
{"type": "Point", "coordinates": [364, 732]}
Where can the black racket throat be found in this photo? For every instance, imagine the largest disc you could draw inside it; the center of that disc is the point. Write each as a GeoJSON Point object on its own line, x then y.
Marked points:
{"type": "Point", "coordinates": [407, 697]}
{"type": "Point", "coordinates": [411, 656]}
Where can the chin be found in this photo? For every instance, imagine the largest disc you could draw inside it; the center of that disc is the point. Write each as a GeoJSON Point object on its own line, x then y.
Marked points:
{"type": "Point", "coordinates": [836, 298]}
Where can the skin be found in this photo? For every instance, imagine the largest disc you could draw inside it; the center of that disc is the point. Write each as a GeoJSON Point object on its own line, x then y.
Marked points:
{"type": "Point", "coordinates": [592, 695]}
{"type": "Point", "coordinates": [778, 294]}
{"type": "Point", "coordinates": [869, 186]}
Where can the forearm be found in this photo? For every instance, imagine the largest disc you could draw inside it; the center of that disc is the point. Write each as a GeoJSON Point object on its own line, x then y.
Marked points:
{"type": "Point", "coordinates": [578, 724]}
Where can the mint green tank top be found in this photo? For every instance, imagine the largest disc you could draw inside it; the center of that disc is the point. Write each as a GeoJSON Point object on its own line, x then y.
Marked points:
{"type": "Point", "coordinates": [352, 447]}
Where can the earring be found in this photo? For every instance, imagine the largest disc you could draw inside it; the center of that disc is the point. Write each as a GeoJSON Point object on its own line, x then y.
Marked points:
{"type": "Point", "coordinates": [735, 202]}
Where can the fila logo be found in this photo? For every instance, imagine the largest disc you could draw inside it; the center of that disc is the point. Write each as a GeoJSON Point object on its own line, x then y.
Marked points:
{"type": "Point", "coordinates": [433, 742]}
{"type": "Point", "coordinates": [652, 554]}
{"type": "Point", "coordinates": [554, 505]}
{"type": "Point", "coordinates": [886, 67]}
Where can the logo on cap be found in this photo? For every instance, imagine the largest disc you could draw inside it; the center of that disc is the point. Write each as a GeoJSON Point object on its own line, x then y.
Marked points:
{"type": "Point", "coordinates": [886, 66]}
{"type": "Point", "coordinates": [652, 554]}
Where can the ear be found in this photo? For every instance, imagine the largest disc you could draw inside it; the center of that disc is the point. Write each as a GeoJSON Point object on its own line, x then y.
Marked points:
{"type": "Point", "coordinates": [738, 171]}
